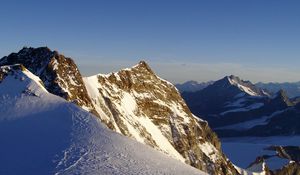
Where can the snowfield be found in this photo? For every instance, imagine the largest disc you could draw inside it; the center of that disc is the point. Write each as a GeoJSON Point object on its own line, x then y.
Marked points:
{"type": "Point", "coordinates": [42, 133]}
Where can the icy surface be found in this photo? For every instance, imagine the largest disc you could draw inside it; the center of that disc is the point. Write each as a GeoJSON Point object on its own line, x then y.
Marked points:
{"type": "Point", "coordinates": [44, 134]}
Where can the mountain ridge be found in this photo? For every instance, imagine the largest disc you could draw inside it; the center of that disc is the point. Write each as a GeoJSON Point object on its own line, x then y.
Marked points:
{"type": "Point", "coordinates": [242, 109]}
{"type": "Point", "coordinates": [134, 102]}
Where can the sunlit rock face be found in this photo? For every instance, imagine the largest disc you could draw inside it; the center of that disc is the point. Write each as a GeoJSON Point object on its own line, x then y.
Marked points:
{"type": "Point", "coordinates": [139, 104]}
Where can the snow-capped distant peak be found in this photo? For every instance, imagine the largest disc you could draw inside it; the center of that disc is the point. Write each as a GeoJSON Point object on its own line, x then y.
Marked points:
{"type": "Point", "coordinates": [246, 86]}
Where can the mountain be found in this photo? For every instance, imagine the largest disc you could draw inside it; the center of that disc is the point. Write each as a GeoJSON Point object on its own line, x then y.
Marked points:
{"type": "Point", "coordinates": [227, 95]}
{"type": "Point", "coordinates": [292, 89]}
{"type": "Point", "coordinates": [139, 104]}
{"type": "Point", "coordinates": [234, 107]}
{"type": "Point", "coordinates": [247, 117]}
{"type": "Point", "coordinates": [59, 74]}
{"type": "Point", "coordinates": [134, 102]}
{"type": "Point", "coordinates": [192, 86]}
{"type": "Point", "coordinates": [42, 133]}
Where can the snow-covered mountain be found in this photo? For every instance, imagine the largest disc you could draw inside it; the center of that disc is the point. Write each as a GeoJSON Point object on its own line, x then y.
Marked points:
{"type": "Point", "coordinates": [227, 95]}
{"type": "Point", "coordinates": [234, 107]}
{"type": "Point", "coordinates": [134, 102]}
{"type": "Point", "coordinates": [59, 74]}
{"type": "Point", "coordinates": [139, 104]}
{"type": "Point", "coordinates": [192, 86]}
{"type": "Point", "coordinates": [42, 133]}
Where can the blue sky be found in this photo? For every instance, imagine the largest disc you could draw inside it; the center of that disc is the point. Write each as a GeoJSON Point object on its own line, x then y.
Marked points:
{"type": "Point", "coordinates": [181, 40]}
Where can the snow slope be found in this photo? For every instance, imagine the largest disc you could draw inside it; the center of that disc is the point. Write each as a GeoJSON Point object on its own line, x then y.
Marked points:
{"type": "Point", "coordinates": [42, 133]}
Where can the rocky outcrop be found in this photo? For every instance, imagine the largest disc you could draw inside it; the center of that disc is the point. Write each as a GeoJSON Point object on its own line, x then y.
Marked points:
{"type": "Point", "coordinates": [139, 104]}
{"type": "Point", "coordinates": [59, 74]}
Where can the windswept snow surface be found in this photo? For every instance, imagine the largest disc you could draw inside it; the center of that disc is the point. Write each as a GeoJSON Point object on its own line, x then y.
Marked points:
{"type": "Point", "coordinates": [41, 133]}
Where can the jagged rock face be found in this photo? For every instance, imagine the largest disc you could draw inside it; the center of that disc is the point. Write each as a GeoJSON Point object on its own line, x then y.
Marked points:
{"type": "Point", "coordinates": [59, 74]}
{"type": "Point", "coordinates": [138, 104]}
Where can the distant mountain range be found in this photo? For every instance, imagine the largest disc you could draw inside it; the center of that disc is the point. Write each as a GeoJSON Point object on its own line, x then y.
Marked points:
{"type": "Point", "coordinates": [234, 107]}
{"type": "Point", "coordinates": [292, 88]}
{"type": "Point", "coordinates": [239, 110]}
{"type": "Point", "coordinates": [192, 86]}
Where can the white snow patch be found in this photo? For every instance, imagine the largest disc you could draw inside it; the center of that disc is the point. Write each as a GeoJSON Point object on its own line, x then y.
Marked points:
{"type": "Point", "coordinates": [246, 172]}
{"type": "Point", "coordinates": [210, 151]}
{"type": "Point", "coordinates": [128, 103]}
{"type": "Point", "coordinates": [243, 88]}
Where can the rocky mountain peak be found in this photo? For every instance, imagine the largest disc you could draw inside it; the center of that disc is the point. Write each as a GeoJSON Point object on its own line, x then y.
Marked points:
{"type": "Point", "coordinates": [282, 96]}
{"type": "Point", "coordinates": [137, 103]}
{"type": "Point", "coordinates": [32, 58]}
{"type": "Point", "coordinates": [59, 74]}
{"type": "Point", "coordinates": [233, 78]}
{"type": "Point", "coordinates": [143, 65]}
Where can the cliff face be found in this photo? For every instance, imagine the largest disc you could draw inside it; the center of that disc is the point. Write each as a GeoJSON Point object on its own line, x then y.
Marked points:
{"type": "Point", "coordinates": [139, 104]}
{"type": "Point", "coordinates": [59, 74]}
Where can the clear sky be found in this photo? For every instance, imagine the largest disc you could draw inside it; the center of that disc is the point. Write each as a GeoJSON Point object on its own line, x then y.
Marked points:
{"type": "Point", "coordinates": [201, 40]}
